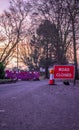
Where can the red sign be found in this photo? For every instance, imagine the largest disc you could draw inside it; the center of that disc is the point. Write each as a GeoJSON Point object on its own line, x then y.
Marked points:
{"type": "Point", "coordinates": [64, 71]}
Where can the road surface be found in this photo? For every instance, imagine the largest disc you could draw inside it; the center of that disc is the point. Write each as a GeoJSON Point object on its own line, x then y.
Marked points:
{"type": "Point", "coordinates": [35, 105]}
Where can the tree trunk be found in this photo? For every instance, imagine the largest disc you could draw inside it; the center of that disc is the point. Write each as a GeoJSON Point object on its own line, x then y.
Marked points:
{"type": "Point", "coordinates": [47, 64]}
{"type": "Point", "coordinates": [74, 47]}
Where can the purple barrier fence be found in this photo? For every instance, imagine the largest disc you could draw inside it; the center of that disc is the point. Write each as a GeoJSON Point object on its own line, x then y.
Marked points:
{"type": "Point", "coordinates": [22, 75]}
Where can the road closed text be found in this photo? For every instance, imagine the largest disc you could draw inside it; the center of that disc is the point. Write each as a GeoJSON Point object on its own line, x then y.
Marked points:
{"type": "Point", "coordinates": [65, 72]}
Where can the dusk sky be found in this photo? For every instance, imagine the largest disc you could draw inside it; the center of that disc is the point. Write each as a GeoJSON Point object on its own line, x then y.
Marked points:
{"type": "Point", "coordinates": [3, 5]}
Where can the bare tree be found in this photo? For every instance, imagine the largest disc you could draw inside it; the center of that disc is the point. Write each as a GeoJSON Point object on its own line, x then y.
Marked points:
{"type": "Point", "coordinates": [54, 11]}
{"type": "Point", "coordinates": [73, 13]}
{"type": "Point", "coordinates": [14, 26]}
{"type": "Point", "coordinates": [59, 13]}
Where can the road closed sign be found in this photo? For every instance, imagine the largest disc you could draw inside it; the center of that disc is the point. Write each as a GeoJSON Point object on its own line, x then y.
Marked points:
{"type": "Point", "coordinates": [64, 72]}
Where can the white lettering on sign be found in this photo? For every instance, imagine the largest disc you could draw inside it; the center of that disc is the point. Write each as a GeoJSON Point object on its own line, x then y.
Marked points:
{"type": "Point", "coordinates": [63, 74]}
{"type": "Point", "coordinates": [64, 69]}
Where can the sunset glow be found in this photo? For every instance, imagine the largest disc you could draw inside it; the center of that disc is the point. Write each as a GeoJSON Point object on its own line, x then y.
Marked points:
{"type": "Point", "coordinates": [3, 5]}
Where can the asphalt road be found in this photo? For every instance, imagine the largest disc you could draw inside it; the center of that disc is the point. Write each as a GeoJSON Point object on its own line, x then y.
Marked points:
{"type": "Point", "coordinates": [35, 105]}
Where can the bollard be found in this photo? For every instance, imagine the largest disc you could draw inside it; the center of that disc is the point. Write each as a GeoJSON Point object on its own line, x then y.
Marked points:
{"type": "Point", "coordinates": [51, 80]}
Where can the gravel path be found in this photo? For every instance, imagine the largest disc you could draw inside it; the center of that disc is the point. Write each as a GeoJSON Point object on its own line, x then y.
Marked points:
{"type": "Point", "coordinates": [39, 106]}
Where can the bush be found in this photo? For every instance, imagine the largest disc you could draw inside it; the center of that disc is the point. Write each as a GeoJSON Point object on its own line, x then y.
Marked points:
{"type": "Point", "coordinates": [2, 72]}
